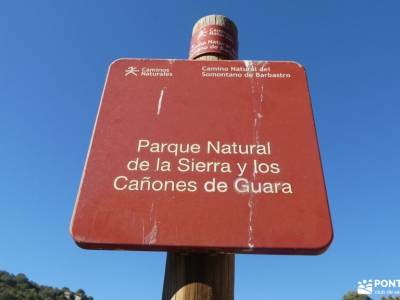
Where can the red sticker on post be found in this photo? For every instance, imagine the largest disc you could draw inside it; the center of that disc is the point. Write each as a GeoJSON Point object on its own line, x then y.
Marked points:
{"type": "Point", "coordinates": [214, 39]}
{"type": "Point", "coordinates": [204, 155]}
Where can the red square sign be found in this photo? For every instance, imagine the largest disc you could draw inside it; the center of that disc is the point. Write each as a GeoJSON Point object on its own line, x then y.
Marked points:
{"type": "Point", "coordinates": [204, 155]}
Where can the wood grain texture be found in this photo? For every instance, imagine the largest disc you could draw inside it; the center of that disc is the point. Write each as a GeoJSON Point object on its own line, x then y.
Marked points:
{"type": "Point", "coordinates": [201, 276]}
{"type": "Point", "coordinates": [214, 20]}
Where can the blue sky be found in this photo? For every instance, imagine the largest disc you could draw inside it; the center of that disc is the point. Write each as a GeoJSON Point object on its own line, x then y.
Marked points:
{"type": "Point", "coordinates": [54, 57]}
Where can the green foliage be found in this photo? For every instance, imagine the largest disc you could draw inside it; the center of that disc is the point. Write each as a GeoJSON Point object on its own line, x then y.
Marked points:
{"type": "Point", "coordinates": [19, 287]}
{"type": "Point", "coordinates": [355, 296]}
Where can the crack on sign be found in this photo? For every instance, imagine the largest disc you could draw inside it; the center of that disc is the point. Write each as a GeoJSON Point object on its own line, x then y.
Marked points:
{"type": "Point", "coordinates": [151, 237]}
{"type": "Point", "coordinates": [257, 95]}
{"type": "Point", "coordinates": [250, 204]}
{"type": "Point", "coordinates": [160, 100]}
{"type": "Point", "coordinates": [251, 68]}
{"type": "Point", "coordinates": [142, 231]}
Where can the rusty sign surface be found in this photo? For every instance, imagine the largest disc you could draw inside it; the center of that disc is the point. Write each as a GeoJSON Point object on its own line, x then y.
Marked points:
{"type": "Point", "coordinates": [204, 155]}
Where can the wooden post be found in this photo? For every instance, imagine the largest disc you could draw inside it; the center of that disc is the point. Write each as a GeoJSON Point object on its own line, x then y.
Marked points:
{"type": "Point", "coordinates": [203, 276]}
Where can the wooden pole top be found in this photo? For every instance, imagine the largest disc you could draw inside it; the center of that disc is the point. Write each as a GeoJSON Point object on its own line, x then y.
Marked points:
{"type": "Point", "coordinates": [214, 35]}
{"type": "Point", "coordinates": [215, 20]}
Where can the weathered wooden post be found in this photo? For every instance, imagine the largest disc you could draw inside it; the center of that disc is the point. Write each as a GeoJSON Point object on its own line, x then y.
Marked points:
{"type": "Point", "coordinates": [204, 276]}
